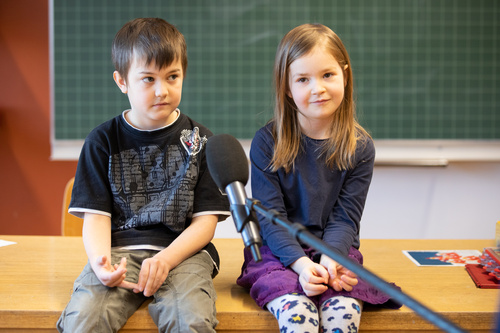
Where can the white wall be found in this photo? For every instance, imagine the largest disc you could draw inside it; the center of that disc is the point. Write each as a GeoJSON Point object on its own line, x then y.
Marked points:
{"type": "Point", "coordinates": [459, 201]}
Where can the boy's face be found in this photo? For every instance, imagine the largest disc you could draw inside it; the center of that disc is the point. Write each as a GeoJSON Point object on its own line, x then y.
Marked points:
{"type": "Point", "coordinates": [154, 93]}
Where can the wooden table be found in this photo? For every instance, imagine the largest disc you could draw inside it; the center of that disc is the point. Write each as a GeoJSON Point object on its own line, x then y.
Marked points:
{"type": "Point", "coordinates": [37, 274]}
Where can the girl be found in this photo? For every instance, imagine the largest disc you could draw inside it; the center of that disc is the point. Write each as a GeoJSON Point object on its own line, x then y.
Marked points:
{"type": "Point", "coordinates": [312, 163]}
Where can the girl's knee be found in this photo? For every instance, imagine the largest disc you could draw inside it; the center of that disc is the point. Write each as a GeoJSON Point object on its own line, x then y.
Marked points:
{"type": "Point", "coordinates": [341, 314]}
{"type": "Point", "coordinates": [295, 313]}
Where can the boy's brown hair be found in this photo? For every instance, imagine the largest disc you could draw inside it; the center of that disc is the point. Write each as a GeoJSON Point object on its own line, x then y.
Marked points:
{"type": "Point", "coordinates": [151, 39]}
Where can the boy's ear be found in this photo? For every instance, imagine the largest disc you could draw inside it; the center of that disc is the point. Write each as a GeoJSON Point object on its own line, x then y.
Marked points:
{"type": "Point", "coordinates": [120, 82]}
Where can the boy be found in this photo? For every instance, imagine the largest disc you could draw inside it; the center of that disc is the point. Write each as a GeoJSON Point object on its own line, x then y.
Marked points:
{"type": "Point", "coordinates": [149, 204]}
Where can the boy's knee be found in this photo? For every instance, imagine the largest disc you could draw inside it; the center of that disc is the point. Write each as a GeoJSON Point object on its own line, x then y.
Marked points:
{"type": "Point", "coordinates": [87, 319]}
{"type": "Point", "coordinates": [96, 308]}
{"type": "Point", "coordinates": [183, 317]}
{"type": "Point", "coordinates": [187, 299]}
{"type": "Point", "coordinates": [199, 321]}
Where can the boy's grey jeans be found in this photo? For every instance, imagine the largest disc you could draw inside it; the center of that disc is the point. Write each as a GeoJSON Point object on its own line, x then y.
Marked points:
{"type": "Point", "coordinates": [184, 303]}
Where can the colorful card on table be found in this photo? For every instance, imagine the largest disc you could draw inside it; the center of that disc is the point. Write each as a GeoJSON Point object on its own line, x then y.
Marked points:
{"type": "Point", "coordinates": [444, 257]}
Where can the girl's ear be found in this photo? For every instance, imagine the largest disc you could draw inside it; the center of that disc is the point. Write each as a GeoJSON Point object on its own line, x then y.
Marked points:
{"type": "Point", "coordinates": [345, 74]}
{"type": "Point", "coordinates": [288, 89]}
{"type": "Point", "coordinates": [120, 82]}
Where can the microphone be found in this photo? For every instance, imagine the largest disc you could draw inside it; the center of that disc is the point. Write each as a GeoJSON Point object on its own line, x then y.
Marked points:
{"type": "Point", "coordinates": [228, 166]}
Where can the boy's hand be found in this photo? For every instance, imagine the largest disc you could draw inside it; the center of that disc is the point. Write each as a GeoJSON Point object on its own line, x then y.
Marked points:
{"type": "Point", "coordinates": [112, 276]}
{"type": "Point", "coordinates": [96, 234]}
{"type": "Point", "coordinates": [154, 271]}
{"type": "Point", "coordinates": [312, 277]}
{"type": "Point", "coordinates": [339, 276]}
{"type": "Point", "coordinates": [151, 277]}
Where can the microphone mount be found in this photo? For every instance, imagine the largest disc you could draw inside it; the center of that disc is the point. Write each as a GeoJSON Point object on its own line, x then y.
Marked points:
{"type": "Point", "coordinates": [244, 218]}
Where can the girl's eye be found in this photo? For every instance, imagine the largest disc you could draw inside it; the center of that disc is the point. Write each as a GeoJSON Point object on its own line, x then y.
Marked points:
{"type": "Point", "coordinates": [328, 75]}
{"type": "Point", "coordinates": [302, 79]}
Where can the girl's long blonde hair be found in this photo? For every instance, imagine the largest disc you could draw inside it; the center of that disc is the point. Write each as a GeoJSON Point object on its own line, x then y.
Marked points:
{"type": "Point", "coordinates": [345, 130]}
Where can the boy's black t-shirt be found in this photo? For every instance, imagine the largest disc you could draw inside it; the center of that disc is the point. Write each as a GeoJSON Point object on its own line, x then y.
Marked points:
{"type": "Point", "coordinates": [151, 183]}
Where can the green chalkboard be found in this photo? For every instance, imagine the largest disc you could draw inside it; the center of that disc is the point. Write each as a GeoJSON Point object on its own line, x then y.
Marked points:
{"type": "Point", "coordinates": [423, 69]}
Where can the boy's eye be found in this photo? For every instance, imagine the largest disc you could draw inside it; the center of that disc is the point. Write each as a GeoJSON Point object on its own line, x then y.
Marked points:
{"type": "Point", "coordinates": [173, 77]}
{"type": "Point", "coordinates": [148, 79]}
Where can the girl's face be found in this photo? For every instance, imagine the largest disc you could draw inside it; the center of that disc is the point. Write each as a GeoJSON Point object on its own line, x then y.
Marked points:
{"type": "Point", "coordinates": [317, 84]}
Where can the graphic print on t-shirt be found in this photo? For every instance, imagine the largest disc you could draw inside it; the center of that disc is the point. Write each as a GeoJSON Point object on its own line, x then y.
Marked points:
{"type": "Point", "coordinates": [152, 186]}
{"type": "Point", "coordinates": [192, 141]}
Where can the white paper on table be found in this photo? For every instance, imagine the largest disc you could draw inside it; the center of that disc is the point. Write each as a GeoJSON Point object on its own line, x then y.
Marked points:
{"type": "Point", "coordinates": [5, 243]}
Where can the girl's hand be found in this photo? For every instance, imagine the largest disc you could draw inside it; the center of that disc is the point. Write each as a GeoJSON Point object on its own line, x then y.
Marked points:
{"type": "Point", "coordinates": [312, 277]}
{"type": "Point", "coordinates": [339, 276]}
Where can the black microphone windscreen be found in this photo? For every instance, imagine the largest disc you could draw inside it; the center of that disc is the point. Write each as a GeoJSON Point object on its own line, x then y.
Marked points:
{"type": "Point", "coordinates": [227, 161]}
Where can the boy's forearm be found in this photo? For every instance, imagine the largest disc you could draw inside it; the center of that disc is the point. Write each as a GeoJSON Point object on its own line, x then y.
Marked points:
{"type": "Point", "coordinates": [97, 239]}
{"type": "Point", "coordinates": [97, 236]}
{"type": "Point", "coordinates": [190, 241]}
